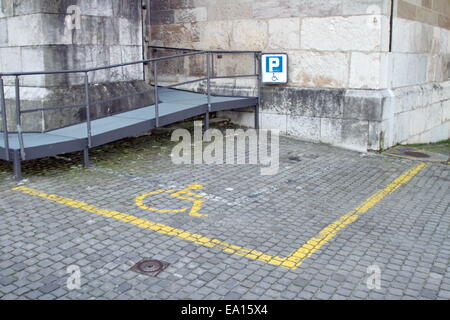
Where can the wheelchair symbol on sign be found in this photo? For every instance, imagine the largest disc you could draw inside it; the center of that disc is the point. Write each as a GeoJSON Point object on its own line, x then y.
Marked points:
{"type": "Point", "coordinates": [183, 194]}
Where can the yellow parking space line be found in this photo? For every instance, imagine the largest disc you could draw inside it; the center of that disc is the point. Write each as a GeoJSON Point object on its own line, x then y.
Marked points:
{"type": "Point", "coordinates": [154, 226]}
{"type": "Point", "coordinates": [329, 232]}
{"type": "Point", "coordinates": [293, 261]}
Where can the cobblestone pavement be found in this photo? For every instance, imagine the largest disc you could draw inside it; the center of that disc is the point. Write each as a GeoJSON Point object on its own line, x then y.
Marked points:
{"type": "Point", "coordinates": [406, 234]}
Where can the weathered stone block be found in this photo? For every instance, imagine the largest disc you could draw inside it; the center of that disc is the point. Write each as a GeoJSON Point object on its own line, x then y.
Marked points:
{"type": "Point", "coordinates": [318, 8]}
{"type": "Point", "coordinates": [181, 4]}
{"type": "Point", "coordinates": [233, 64]}
{"type": "Point", "coordinates": [418, 121]}
{"type": "Point", "coordinates": [6, 8]}
{"type": "Point", "coordinates": [249, 35]}
{"type": "Point", "coordinates": [303, 102]}
{"type": "Point", "coordinates": [127, 9]}
{"type": "Point", "coordinates": [305, 128]}
{"type": "Point", "coordinates": [364, 105]}
{"type": "Point", "coordinates": [162, 17]}
{"type": "Point", "coordinates": [446, 111]}
{"type": "Point", "coordinates": [230, 10]}
{"type": "Point", "coordinates": [284, 33]}
{"type": "Point", "coordinates": [130, 33]}
{"type": "Point", "coordinates": [354, 33]}
{"type": "Point", "coordinates": [319, 69]}
{"type": "Point", "coordinates": [369, 70]}
{"type": "Point", "coordinates": [99, 8]}
{"type": "Point", "coordinates": [159, 5]}
{"type": "Point", "coordinates": [33, 60]}
{"type": "Point", "coordinates": [98, 30]}
{"type": "Point", "coordinates": [352, 7]}
{"type": "Point", "coordinates": [274, 121]}
{"type": "Point", "coordinates": [3, 33]}
{"type": "Point", "coordinates": [218, 34]}
{"type": "Point", "coordinates": [275, 9]}
{"type": "Point", "coordinates": [296, 8]}
{"type": "Point", "coordinates": [132, 72]}
{"type": "Point", "coordinates": [408, 69]}
{"type": "Point", "coordinates": [11, 60]}
{"type": "Point", "coordinates": [411, 36]}
{"type": "Point", "coordinates": [25, 30]}
{"type": "Point", "coordinates": [440, 133]}
{"type": "Point", "coordinates": [349, 134]}
{"type": "Point", "coordinates": [190, 15]}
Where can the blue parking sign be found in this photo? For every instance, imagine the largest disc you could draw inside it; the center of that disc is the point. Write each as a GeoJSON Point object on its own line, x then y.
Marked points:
{"type": "Point", "coordinates": [274, 68]}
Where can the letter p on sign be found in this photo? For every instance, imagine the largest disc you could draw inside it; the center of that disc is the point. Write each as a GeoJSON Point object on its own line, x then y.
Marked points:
{"type": "Point", "coordinates": [275, 64]}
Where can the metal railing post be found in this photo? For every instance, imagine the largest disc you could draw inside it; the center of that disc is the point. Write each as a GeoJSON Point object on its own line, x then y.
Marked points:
{"type": "Point", "coordinates": [19, 120]}
{"type": "Point", "coordinates": [259, 80]}
{"type": "Point", "coordinates": [4, 119]}
{"type": "Point", "coordinates": [88, 109]}
{"type": "Point", "coordinates": [208, 88]}
{"type": "Point", "coordinates": [155, 76]}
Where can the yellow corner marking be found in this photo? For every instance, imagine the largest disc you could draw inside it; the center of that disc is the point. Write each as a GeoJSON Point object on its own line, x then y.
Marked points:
{"type": "Point", "coordinates": [197, 204]}
{"type": "Point", "coordinates": [293, 261]}
{"type": "Point", "coordinates": [329, 232]}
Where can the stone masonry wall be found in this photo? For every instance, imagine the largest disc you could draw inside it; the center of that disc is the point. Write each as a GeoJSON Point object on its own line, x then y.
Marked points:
{"type": "Point", "coordinates": [419, 68]}
{"type": "Point", "coordinates": [327, 40]}
{"type": "Point", "coordinates": [350, 84]}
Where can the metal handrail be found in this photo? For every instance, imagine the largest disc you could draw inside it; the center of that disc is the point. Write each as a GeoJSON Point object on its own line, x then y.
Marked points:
{"type": "Point", "coordinates": [88, 103]}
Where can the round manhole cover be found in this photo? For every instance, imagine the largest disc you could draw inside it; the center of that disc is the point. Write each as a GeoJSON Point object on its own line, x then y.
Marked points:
{"type": "Point", "coordinates": [416, 154]}
{"type": "Point", "coordinates": [150, 267]}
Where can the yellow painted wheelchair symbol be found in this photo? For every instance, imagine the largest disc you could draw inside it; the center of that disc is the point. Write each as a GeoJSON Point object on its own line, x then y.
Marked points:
{"type": "Point", "coordinates": [184, 194]}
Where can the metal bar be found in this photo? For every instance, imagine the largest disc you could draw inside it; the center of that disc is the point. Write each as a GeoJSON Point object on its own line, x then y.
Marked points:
{"type": "Point", "coordinates": [155, 76]}
{"type": "Point", "coordinates": [208, 81]}
{"type": "Point", "coordinates": [18, 119]}
{"type": "Point", "coordinates": [88, 109]}
{"type": "Point", "coordinates": [4, 119]}
{"type": "Point", "coordinates": [17, 165]}
{"type": "Point", "coordinates": [257, 107]}
{"type": "Point", "coordinates": [86, 162]}
{"type": "Point", "coordinates": [208, 88]}
{"type": "Point", "coordinates": [173, 48]}
{"type": "Point", "coordinates": [213, 66]}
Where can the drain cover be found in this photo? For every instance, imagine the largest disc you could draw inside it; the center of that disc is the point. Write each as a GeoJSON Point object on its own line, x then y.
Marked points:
{"type": "Point", "coordinates": [295, 158]}
{"type": "Point", "coordinates": [150, 267]}
{"type": "Point", "coordinates": [416, 154]}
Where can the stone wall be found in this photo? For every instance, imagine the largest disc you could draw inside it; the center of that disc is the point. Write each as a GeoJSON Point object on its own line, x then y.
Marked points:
{"type": "Point", "coordinates": [420, 62]}
{"type": "Point", "coordinates": [35, 36]}
{"type": "Point", "coordinates": [317, 34]}
{"type": "Point", "coordinates": [350, 84]}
